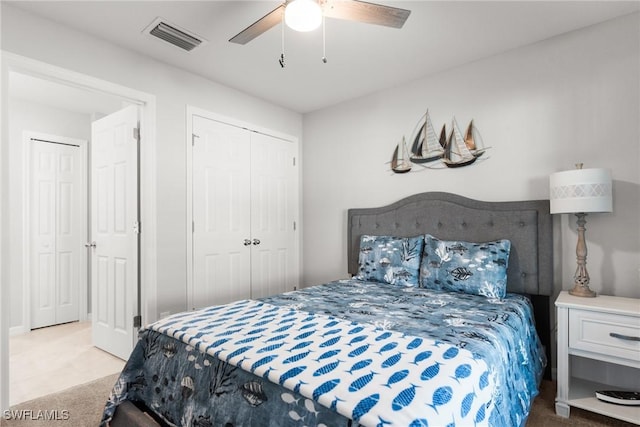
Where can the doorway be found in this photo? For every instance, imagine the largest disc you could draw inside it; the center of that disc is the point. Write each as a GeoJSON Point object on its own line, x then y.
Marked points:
{"type": "Point", "coordinates": [97, 91]}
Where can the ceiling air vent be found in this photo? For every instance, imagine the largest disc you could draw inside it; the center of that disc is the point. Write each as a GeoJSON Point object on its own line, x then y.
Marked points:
{"type": "Point", "coordinates": [173, 34]}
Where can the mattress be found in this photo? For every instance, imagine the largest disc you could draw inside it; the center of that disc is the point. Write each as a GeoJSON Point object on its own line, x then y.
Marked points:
{"type": "Point", "coordinates": [345, 353]}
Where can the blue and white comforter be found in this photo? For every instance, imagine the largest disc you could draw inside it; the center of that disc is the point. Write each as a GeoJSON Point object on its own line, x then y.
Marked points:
{"type": "Point", "coordinates": [373, 353]}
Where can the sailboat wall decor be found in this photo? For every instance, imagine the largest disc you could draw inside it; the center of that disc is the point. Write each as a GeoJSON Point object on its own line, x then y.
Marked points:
{"type": "Point", "coordinates": [400, 160]}
{"type": "Point", "coordinates": [426, 146]}
{"type": "Point", "coordinates": [432, 151]}
{"type": "Point", "coordinates": [473, 140]}
{"type": "Point", "coordinates": [443, 136]}
{"type": "Point", "coordinates": [456, 152]}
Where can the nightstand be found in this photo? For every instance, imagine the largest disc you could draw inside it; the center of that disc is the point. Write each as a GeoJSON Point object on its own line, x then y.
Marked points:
{"type": "Point", "coordinates": [602, 333]}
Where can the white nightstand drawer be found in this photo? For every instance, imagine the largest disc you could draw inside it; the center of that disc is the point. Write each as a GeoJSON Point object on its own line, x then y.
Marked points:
{"type": "Point", "coordinates": [605, 333]}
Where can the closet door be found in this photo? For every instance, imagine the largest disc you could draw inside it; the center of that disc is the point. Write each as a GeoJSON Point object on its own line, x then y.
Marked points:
{"type": "Point", "coordinates": [57, 221]}
{"type": "Point", "coordinates": [221, 213]}
{"type": "Point", "coordinates": [273, 206]}
{"type": "Point", "coordinates": [71, 220]}
{"type": "Point", "coordinates": [43, 233]}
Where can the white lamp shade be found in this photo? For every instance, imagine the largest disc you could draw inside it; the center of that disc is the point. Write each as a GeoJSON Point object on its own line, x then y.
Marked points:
{"type": "Point", "coordinates": [303, 15]}
{"type": "Point", "coordinates": [580, 191]}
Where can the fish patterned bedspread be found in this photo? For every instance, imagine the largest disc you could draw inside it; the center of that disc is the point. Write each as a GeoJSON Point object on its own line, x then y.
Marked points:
{"type": "Point", "coordinates": [346, 353]}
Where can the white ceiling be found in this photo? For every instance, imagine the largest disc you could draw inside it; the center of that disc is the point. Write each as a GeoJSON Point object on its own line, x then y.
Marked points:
{"type": "Point", "coordinates": [362, 58]}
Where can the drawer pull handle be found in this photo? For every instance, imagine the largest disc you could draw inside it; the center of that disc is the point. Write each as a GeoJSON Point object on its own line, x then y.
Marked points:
{"type": "Point", "coordinates": [623, 337]}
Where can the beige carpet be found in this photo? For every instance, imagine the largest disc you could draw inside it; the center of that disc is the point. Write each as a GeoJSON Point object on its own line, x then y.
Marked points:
{"type": "Point", "coordinates": [84, 404]}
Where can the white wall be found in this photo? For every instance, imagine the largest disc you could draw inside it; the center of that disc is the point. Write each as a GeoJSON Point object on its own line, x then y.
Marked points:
{"type": "Point", "coordinates": [29, 116]}
{"type": "Point", "coordinates": [46, 41]}
{"type": "Point", "coordinates": [541, 108]}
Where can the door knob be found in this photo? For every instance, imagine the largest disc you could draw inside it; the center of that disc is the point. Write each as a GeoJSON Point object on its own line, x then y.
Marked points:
{"type": "Point", "coordinates": [246, 242]}
{"type": "Point", "coordinates": [90, 245]}
{"type": "Point", "coordinates": [256, 241]}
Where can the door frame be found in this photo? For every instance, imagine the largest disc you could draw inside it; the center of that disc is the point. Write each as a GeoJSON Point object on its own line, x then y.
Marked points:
{"type": "Point", "coordinates": [147, 198]}
{"type": "Point", "coordinates": [191, 112]}
{"type": "Point", "coordinates": [26, 230]}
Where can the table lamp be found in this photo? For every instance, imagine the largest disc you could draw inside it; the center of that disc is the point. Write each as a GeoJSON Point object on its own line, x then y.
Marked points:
{"type": "Point", "coordinates": [581, 191]}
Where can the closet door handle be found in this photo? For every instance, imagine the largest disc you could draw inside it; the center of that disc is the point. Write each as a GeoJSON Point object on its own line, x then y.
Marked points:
{"type": "Point", "coordinates": [90, 245]}
{"type": "Point", "coordinates": [256, 241]}
{"type": "Point", "coordinates": [246, 242]}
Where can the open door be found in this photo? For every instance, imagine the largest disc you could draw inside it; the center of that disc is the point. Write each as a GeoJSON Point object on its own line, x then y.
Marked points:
{"type": "Point", "coordinates": [115, 231]}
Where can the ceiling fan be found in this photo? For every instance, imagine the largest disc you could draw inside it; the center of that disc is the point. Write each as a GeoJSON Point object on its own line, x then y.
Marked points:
{"type": "Point", "coordinates": [311, 12]}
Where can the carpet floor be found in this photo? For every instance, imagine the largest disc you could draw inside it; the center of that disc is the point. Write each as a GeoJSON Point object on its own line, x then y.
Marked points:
{"type": "Point", "coordinates": [81, 406]}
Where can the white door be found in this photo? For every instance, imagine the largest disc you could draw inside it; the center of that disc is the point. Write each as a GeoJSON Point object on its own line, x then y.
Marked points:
{"type": "Point", "coordinates": [57, 229]}
{"type": "Point", "coordinates": [114, 231]}
{"type": "Point", "coordinates": [273, 208]}
{"type": "Point", "coordinates": [221, 213]}
{"type": "Point", "coordinates": [244, 211]}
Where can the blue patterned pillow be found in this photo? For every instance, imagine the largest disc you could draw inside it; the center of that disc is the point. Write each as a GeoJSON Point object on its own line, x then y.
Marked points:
{"type": "Point", "coordinates": [472, 268]}
{"type": "Point", "coordinates": [387, 259]}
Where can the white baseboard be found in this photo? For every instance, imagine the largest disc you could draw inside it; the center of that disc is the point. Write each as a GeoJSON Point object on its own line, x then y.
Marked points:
{"type": "Point", "coordinates": [17, 330]}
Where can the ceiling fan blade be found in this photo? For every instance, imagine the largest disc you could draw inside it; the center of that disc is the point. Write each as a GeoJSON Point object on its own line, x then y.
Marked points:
{"type": "Point", "coordinates": [263, 24]}
{"type": "Point", "coordinates": [370, 13]}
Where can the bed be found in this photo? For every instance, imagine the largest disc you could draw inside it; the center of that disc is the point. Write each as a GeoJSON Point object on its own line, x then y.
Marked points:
{"type": "Point", "coordinates": [445, 321]}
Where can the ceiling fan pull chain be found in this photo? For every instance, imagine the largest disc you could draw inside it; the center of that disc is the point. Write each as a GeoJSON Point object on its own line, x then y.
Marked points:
{"type": "Point", "coordinates": [281, 60]}
{"type": "Point", "coordinates": [324, 44]}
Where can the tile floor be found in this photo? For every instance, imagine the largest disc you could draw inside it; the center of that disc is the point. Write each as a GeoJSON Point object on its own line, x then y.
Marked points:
{"type": "Point", "coordinates": [49, 360]}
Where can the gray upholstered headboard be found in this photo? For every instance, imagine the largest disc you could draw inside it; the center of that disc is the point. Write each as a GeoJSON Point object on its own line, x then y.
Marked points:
{"type": "Point", "coordinates": [527, 224]}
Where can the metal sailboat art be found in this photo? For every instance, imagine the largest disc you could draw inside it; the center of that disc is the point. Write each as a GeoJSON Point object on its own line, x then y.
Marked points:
{"type": "Point", "coordinates": [443, 136]}
{"type": "Point", "coordinates": [426, 146]}
{"type": "Point", "coordinates": [400, 161]}
{"type": "Point", "coordinates": [456, 152]}
{"type": "Point", "coordinates": [430, 151]}
{"type": "Point", "coordinates": [473, 140]}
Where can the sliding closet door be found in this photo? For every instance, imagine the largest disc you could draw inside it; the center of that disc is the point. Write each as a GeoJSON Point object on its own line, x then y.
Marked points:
{"type": "Point", "coordinates": [273, 205]}
{"type": "Point", "coordinates": [221, 213]}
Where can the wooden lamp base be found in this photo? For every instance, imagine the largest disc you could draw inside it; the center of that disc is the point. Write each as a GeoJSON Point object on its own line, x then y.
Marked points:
{"type": "Point", "coordinates": [582, 291]}
{"type": "Point", "coordinates": [581, 286]}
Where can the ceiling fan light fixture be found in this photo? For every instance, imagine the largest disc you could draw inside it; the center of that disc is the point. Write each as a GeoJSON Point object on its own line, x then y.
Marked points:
{"type": "Point", "coordinates": [303, 15]}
